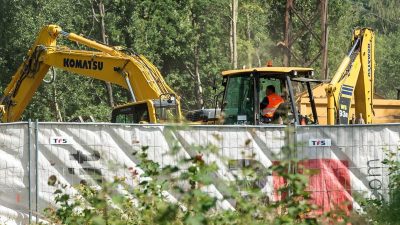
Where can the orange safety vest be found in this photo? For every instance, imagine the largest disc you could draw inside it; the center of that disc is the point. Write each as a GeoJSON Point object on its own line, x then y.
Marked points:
{"type": "Point", "coordinates": [274, 101]}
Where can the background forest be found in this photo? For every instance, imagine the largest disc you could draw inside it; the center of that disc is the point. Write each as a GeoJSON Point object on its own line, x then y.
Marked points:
{"type": "Point", "coordinates": [190, 41]}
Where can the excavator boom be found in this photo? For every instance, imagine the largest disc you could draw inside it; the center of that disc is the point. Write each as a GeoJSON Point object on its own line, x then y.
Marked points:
{"type": "Point", "coordinates": [130, 71]}
{"type": "Point", "coordinates": [353, 79]}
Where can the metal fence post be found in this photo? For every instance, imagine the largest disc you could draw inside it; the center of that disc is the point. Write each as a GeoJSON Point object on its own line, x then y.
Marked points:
{"type": "Point", "coordinates": [292, 150]}
{"type": "Point", "coordinates": [29, 172]}
{"type": "Point", "coordinates": [36, 167]}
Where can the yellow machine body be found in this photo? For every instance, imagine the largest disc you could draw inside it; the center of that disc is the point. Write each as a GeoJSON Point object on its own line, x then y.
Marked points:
{"type": "Point", "coordinates": [385, 110]}
{"type": "Point", "coordinates": [353, 81]}
{"type": "Point", "coordinates": [130, 71]}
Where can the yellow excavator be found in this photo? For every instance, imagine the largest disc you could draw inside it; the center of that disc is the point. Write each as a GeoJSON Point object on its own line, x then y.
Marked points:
{"type": "Point", "coordinates": [349, 97]}
{"type": "Point", "coordinates": [354, 79]}
{"type": "Point", "coordinates": [153, 101]}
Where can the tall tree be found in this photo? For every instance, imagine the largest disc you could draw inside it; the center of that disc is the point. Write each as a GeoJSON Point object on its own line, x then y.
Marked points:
{"type": "Point", "coordinates": [234, 18]}
{"type": "Point", "coordinates": [104, 39]}
{"type": "Point", "coordinates": [254, 45]}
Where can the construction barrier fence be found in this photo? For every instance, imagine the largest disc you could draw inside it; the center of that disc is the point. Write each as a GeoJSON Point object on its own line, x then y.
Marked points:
{"type": "Point", "coordinates": [349, 158]}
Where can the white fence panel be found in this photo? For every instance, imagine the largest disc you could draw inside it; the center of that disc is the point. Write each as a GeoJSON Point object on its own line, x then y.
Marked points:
{"type": "Point", "coordinates": [14, 173]}
{"type": "Point", "coordinates": [348, 158]}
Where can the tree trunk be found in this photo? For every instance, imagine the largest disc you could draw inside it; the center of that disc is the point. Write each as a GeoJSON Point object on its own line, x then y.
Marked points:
{"type": "Point", "coordinates": [105, 40]}
{"type": "Point", "coordinates": [286, 54]}
{"type": "Point", "coordinates": [234, 15]}
{"type": "Point", "coordinates": [231, 36]}
{"type": "Point", "coordinates": [324, 39]}
{"type": "Point", "coordinates": [56, 106]}
{"type": "Point", "coordinates": [249, 53]}
{"type": "Point", "coordinates": [199, 92]}
{"type": "Point", "coordinates": [258, 58]}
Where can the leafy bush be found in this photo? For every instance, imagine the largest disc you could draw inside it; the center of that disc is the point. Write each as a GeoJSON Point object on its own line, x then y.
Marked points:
{"type": "Point", "coordinates": [151, 202]}
{"type": "Point", "coordinates": [386, 211]}
{"type": "Point", "coordinates": [180, 194]}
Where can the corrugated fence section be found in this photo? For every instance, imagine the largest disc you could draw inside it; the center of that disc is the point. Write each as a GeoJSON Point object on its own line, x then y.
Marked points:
{"type": "Point", "coordinates": [348, 158]}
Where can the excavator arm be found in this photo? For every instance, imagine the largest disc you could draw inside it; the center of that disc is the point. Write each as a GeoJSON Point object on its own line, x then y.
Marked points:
{"type": "Point", "coordinates": [354, 80]}
{"type": "Point", "coordinates": [130, 71]}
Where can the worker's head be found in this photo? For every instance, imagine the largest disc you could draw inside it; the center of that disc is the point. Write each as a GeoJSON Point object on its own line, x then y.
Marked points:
{"type": "Point", "coordinates": [270, 89]}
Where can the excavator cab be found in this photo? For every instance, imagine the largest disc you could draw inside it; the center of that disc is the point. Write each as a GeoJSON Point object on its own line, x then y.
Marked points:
{"type": "Point", "coordinates": [245, 89]}
{"type": "Point", "coordinates": [164, 109]}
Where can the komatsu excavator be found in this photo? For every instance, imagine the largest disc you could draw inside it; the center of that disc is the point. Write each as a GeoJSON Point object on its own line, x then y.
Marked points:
{"type": "Point", "coordinates": [153, 101]}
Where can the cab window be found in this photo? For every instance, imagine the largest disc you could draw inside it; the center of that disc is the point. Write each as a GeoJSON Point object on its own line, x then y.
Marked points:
{"type": "Point", "coordinates": [239, 100]}
{"type": "Point", "coordinates": [131, 114]}
{"type": "Point", "coordinates": [265, 82]}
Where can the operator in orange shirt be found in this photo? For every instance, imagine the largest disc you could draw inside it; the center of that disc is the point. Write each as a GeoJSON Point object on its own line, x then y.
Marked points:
{"type": "Point", "coordinates": [270, 103]}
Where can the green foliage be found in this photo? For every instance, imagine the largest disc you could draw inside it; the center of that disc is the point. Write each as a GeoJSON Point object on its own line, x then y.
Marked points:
{"type": "Point", "coordinates": [179, 194]}
{"type": "Point", "coordinates": [386, 210]}
{"type": "Point", "coordinates": [386, 70]}
{"type": "Point", "coordinates": [116, 202]}
{"type": "Point", "coordinates": [172, 34]}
